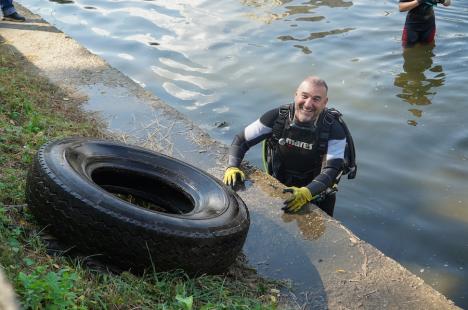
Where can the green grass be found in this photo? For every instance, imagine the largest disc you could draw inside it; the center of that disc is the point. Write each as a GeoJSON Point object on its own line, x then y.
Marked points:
{"type": "Point", "coordinates": [32, 112]}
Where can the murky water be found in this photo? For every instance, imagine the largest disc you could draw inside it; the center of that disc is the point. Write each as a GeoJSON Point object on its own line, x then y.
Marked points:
{"type": "Point", "coordinates": [228, 61]}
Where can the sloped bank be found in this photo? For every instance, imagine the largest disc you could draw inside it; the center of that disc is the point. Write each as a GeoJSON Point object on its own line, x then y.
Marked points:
{"type": "Point", "coordinates": [345, 272]}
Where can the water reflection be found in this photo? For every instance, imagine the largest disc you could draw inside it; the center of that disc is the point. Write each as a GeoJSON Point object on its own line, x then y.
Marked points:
{"type": "Point", "coordinates": [304, 49]}
{"type": "Point", "coordinates": [269, 11]}
{"type": "Point", "coordinates": [304, 8]}
{"type": "Point", "coordinates": [419, 79]}
{"type": "Point", "coordinates": [62, 1]}
{"type": "Point", "coordinates": [309, 4]}
{"type": "Point", "coordinates": [315, 35]}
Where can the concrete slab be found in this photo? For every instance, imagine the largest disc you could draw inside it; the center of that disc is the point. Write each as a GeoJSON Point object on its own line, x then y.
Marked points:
{"type": "Point", "coordinates": [329, 266]}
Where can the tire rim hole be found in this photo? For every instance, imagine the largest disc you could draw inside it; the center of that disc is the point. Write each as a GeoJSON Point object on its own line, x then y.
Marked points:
{"type": "Point", "coordinates": [143, 190]}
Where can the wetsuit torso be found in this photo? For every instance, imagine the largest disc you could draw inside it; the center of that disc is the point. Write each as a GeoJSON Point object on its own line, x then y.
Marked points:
{"type": "Point", "coordinates": [420, 25]}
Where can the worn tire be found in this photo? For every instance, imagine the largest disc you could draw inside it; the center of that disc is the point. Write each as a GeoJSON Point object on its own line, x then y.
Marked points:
{"type": "Point", "coordinates": [200, 227]}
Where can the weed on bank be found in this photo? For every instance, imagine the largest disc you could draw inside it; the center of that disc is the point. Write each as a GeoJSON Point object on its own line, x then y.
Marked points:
{"type": "Point", "coordinates": [32, 112]}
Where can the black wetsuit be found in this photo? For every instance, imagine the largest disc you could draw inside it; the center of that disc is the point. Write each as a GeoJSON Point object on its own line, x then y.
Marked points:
{"type": "Point", "coordinates": [297, 161]}
{"type": "Point", "coordinates": [420, 25]}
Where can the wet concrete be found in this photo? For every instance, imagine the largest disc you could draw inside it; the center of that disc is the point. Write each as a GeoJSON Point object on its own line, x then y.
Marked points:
{"type": "Point", "coordinates": [329, 267]}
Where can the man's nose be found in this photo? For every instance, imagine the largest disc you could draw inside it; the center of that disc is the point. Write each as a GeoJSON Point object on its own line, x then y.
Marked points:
{"type": "Point", "coordinates": [309, 102]}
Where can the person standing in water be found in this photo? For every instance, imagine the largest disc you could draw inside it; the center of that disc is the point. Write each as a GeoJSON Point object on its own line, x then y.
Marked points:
{"type": "Point", "coordinates": [420, 26]}
{"type": "Point", "coordinates": [307, 147]}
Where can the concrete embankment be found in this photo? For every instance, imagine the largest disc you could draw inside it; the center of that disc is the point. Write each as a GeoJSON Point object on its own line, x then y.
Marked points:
{"type": "Point", "coordinates": [336, 268]}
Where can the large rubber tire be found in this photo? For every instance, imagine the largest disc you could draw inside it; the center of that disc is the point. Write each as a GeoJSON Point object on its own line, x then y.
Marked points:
{"type": "Point", "coordinates": [200, 227]}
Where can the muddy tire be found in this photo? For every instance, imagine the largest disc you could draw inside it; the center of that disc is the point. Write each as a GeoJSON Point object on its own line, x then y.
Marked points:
{"type": "Point", "coordinates": [136, 207]}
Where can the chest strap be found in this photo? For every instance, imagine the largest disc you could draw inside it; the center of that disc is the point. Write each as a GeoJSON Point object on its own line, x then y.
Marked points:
{"type": "Point", "coordinates": [325, 121]}
{"type": "Point", "coordinates": [281, 122]}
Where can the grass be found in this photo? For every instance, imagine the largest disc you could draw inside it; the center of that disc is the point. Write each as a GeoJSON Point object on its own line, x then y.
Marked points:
{"type": "Point", "coordinates": [32, 112]}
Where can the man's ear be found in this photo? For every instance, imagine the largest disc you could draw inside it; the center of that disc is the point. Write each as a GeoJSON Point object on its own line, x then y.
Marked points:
{"type": "Point", "coordinates": [326, 101]}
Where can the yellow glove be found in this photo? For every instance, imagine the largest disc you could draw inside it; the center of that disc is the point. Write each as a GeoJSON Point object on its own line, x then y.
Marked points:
{"type": "Point", "coordinates": [300, 196]}
{"type": "Point", "coordinates": [231, 175]}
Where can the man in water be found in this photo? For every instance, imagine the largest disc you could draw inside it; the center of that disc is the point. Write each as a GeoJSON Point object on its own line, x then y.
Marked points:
{"type": "Point", "coordinates": [305, 147]}
{"type": "Point", "coordinates": [420, 26]}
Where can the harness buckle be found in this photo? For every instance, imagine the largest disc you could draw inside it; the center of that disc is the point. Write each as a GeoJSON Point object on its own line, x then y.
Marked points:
{"type": "Point", "coordinates": [328, 119]}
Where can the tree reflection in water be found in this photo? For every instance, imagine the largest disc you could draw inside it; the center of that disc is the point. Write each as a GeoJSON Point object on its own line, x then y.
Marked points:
{"type": "Point", "coordinates": [419, 78]}
{"type": "Point", "coordinates": [295, 13]}
{"type": "Point", "coordinates": [271, 14]}
{"type": "Point", "coordinates": [311, 3]}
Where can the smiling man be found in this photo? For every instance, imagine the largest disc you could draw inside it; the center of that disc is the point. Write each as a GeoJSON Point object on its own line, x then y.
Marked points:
{"type": "Point", "coordinates": [304, 147]}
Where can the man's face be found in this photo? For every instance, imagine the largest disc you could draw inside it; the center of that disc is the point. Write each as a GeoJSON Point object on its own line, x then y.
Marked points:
{"type": "Point", "coordinates": [309, 101]}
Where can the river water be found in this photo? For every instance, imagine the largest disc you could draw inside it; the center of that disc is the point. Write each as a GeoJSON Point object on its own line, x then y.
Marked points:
{"type": "Point", "coordinates": [223, 63]}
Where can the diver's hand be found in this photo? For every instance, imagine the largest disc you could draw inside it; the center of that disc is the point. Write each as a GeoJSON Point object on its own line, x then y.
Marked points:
{"type": "Point", "coordinates": [300, 196]}
{"type": "Point", "coordinates": [231, 175]}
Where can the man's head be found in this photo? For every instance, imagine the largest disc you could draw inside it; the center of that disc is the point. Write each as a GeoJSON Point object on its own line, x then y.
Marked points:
{"type": "Point", "coordinates": [310, 99]}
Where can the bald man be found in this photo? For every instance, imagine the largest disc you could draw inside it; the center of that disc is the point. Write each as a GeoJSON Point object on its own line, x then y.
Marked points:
{"type": "Point", "coordinates": [304, 147]}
